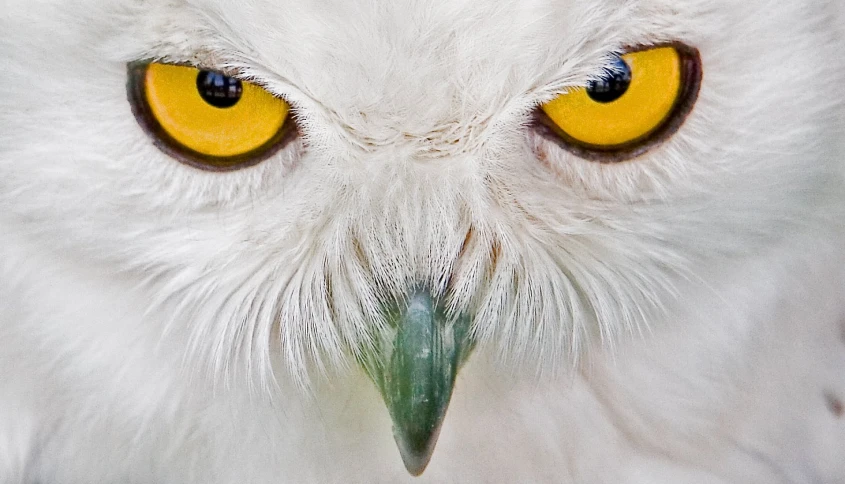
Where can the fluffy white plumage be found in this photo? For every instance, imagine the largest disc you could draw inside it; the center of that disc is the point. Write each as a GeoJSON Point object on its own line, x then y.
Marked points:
{"type": "Point", "coordinates": [676, 318]}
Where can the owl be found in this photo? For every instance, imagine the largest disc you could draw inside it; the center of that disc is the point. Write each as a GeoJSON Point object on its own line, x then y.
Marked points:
{"type": "Point", "coordinates": [433, 241]}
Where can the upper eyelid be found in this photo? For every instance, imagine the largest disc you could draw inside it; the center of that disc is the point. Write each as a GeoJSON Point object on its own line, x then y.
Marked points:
{"type": "Point", "coordinates": [229, 64]}
{"type": "Point", "coordinates": [564, 82]}
{"type": "Point", "coordinates": [233, 72]}
{"type": "Point", "coordinates": [199, 65]}
{"type": "Point", "coordinates": [252, 72]}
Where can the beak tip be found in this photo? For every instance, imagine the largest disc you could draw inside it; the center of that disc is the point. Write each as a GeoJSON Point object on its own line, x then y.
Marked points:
{"type": "Point", "coordinates": [415, 465]}
{"type": "Point", "coordinates": [416, 453]}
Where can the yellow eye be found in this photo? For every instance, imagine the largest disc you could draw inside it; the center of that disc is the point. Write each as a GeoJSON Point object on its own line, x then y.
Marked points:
{"type": "Point", "coordinates": [640, 101]}
{"type": "Point", "coordinates": [207, 119]}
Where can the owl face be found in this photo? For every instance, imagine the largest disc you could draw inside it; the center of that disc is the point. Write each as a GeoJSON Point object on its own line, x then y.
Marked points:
{"type": "Point", "coordinates": [414, 162]}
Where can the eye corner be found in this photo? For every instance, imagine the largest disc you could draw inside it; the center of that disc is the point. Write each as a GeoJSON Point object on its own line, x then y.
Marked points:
{"type": "Point", "coordinates": [167, 136]}
{"type": "Point", "coordinates": [690, 76]}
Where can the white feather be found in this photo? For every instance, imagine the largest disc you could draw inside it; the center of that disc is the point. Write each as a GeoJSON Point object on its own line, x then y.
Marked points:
{"type": "Point", "coordinates": [676, 318]}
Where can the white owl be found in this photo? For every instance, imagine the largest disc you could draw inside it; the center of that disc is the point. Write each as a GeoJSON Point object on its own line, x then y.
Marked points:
{"type": "Point", "coordinates": [479, 241]}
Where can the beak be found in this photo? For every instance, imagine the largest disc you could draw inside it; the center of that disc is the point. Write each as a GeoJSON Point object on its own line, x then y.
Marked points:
{"type": "Point", "coordinates": [414, 368]}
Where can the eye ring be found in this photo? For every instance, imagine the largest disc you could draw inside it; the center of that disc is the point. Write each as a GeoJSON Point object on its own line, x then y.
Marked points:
{"type": "Point", "coordinates": [691, 74]}
{"type": "Point", "coordinates": [167, 143]}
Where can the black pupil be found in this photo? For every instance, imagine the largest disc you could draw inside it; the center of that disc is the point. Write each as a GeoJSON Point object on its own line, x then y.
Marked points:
{"type": "Point", "coordinates": [218, 90]}
{"type": "Point", "coordinates": [613, 84]}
